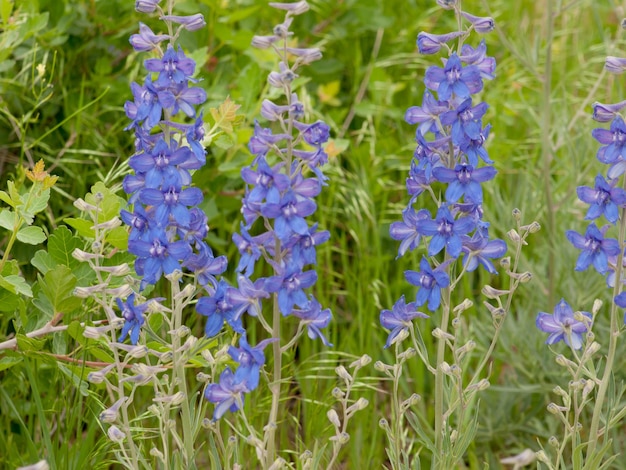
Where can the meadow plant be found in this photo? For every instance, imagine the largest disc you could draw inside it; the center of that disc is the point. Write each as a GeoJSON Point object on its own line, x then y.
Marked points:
{"type": "Point", "coordinates": [281, 183]}
{"type": "Point", "coordinates": [592, 392]}
{"type": "Point", "coordinates": [450, 164]}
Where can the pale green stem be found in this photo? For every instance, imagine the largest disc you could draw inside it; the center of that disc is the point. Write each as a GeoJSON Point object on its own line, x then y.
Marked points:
{"type": "Point", "coordinates": [613, 337]}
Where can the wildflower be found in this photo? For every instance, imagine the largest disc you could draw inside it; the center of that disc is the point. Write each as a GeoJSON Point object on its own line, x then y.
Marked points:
{"type": "Point", "coordinates": [430, 282]}
{"type": "Point", "coordinates": [290, 285]}
{"type": "Point", "coordinates": [445, 232]}
{"type": "Point", "coordinates": [431, 43]}
{"type": "Point", "coordinates": [604, 199]}
{"type": "Point", "coordinates": [315, 318]}
{"type": "Point", "coordinates": [563, 326]}
{"type": "Point", "coordinates": [613, 140]}
{"type": "Point", "coordinates": [146, 40]}
{"type": "Point", "coordinates": [464, 180]}
{"type": "Point", "coordinates": [479, 249]}
{"type": "Point", "coordinates": [407, 229]}
{"type": "Point", "coordinates": [427, 114]}
{"type": "Point", "coordinates": [250, 360]}
{"type": "Point", "coordinates": [480, 24]}
{"type": "Point", "coordinates": [399, 318]}
{"type": "Point", "coordinates": [226, 394]}
{"type": "Point", "coordinates": [133, 316]}
{"type": "Point", "coordinates": [453, 79]}
{"type": "Point", "coordinates": [595, 248]}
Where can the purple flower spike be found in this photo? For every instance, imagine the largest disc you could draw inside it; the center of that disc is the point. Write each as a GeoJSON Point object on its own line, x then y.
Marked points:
{"type": "Point", "coordinates": [445, 232]}
{"type": "Point", "coordinates": [563, 326]}
{"type": "Point", "coordinates": [465, 121]}
{"type": "Point", "coordinates": [290, 287]}
{"type": "Point", "coordinates": [289, 215]}
{"type": "Point", "coordinates": [399, 318]}
{"type": "Point", "coordinates": [427, 114]}
{"type": "Point", "coordinates": [479, 58]}
{"type": "Point", "coordinates": [595, 248]}
{"type": "Point", "coordinates": [605, 199]}
{"type": "Point", "coordinates": [430, 282]}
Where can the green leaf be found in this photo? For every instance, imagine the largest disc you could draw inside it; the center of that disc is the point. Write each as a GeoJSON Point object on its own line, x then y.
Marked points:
{"type": "Point", "coordinates": [31, 235]}
{"type": "Point", "coordinates": [9, 302]}
{"type": "Point", "coordinates": [14, 193]}
{"type": "Point", "coordinates": [62, 243]}
{"type": "Point", "coordinates": [82, 226]}
{"type": "Point", "coordinates": [6, 198]}
{"type": "Point", "coordinates": [8, 219]}
{"type": "Point", "coordinates": [38, 202]}
{"type": "Point", "coordinates": [6, 6]}
{"type": "Point", "coordinates": [24, 343]}
{"type": "Point", "coordinates": [16, 285]}
{"type": "Point", "coordinates": [118, 237]}
{"type": "Point", "coordinates": [224, 141]}
{"type": "Point", "coordinates": [10, 267]}
{"type": "Point", "coordinates": [43, 261]}
{"type": "Point", "coordinates": [10, 361]}
{"type": "Point", "coordinates": [58, 287]}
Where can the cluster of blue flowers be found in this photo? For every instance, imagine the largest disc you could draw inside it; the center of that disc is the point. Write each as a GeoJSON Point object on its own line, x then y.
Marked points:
{"type": "Point", "coordinates": [167, 229]}
{"type": "Point", "coordinates": [279, 197]}
{"type": "Point", "coordinates": [450, 151]}
{"type": "Point", "coordinates": [605, 199]}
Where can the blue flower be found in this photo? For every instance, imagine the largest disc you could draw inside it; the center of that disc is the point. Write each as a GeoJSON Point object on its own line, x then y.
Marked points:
{"type": "Point", "coordinates": [133, 316]}
{"type": "Point", "coordinates": [427, 114]}
{"type": "Point", "coordinates": [430, 282]}
{"type": "Point", "coordinates": [445, 232]}
{"type": "Point", "coordinates": [479, 249]}
{"type": "Point", "coordinates": [465, 121]}
{"type": "Point", "coordinates": [315, 319]}
{"type": "Point", "coordinates": [407, 229]}
{"type": "Point", "coordinates": [614, 141]}
{"type": "Point", "coordinates": [289, 214]}
{"type": "Point", "coordinates": [173, 68]}
{"type": "Point", "coordinates": [399, 318]}
{"type": "Point", "coordinates": [464, 180]}
{"type": "Point", "coordinates": [563, 326]}
{"type": "Point", "coordinates": [605, 199]}
{"type": "Point", "coordinates": [250, 360]}
{"type": "Point", "coordinates": [159, 256]}
{"type": "Point", "coordinates": [226, 394]}
{"type": "Point", "coordinates": [595, 248]}
{"type": "Point", "coordinates": [454, 79]}
{"type": "Point", "coordinates": [218, 308]}
{"type": "Point", "coordinates": [290, 285]}
{"type": "Point", "coordinates": [431, 43]}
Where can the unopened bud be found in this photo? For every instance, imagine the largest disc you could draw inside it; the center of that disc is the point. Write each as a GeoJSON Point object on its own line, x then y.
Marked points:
{"type": "Point", "coordinates": [554, 442]}
{"type": "Point", "coordinates": [517, 214]}
{"type": "Point", "coordinates": [408, 354]}
{"type": "Point", "coordinates": [493, 293]}
{"type": "Point", "coordinates": [154, 452]}
{"type": "Point", "coordinates": [559, 391]}
{"type": "Point", "coordinates": [338, 393]}
{"type": "Point", "coordinates": [116, 435]}
{"type": "Point", "coordinates": [278, 464]}
{"type": "Point", "coordinates": [534, 227]}
{"type": "Point", "coordinates": [597, 305]}
{"type": "Point", "coordinates": [514, 236]}
{"type": "Point", "coordinates": [359, 405]}
{"type": "Point", "coordinates": [440, 334]}
{"type": "Point", "coordinates": [380, 366]}
{"type": "Point", "coordinates": [563, 361]}
{"type": "Point", "coordinates": [202, 377]}
{"type": "Point", "coordinates": [361, 362]}
{"type": "Point", "coordinates": [411, 401]}
{"type": "Point", "coordinates": [588, 388]}
{"type": "Point", "coordinates": [466, 304]}
{"type": "Point", "coordinates": [404, 334]}
{"type": "Point", "coordinates": [505, 262]}
{"type": "Point", "coordinates": [543, 457]}
{"type": "Point", "coordinates": [83, 206]}
{"type": "Point", "coordinates": [526, 277]}
{"type": "Point", "coordinates": [333, 417]}
{"type": "Point", "coordinates": [341, 438]}
{"type": "Point", "coordinates": [342, 372]}
{"type": "Point", "coordinates": [383, 423]}
{"type": "Point", "coordinates": [174, 276]}
{"type": "Point", "coordinates": [454, 435]}
{"type": "Point", "coordinates": [445, 368]}
{"type": "Point", "coordinates": [456, 323]}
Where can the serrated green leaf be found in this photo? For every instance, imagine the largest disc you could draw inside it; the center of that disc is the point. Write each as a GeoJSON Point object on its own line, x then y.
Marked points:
{"type": "Point", "coordinates": [61, 244]}
{"type": "Point", "coordinates": [58, 287]}
{"type": "Point", "coordinates": [32, 235]}
{"type": "Point", "coordinates": [10, 267]}
{"type": "Point", "coordinates": [14, 193]}
{"type": "Point", "coordinates": [82, 226]}
{"type": "Point", "coordinates": [8, 219]}
{"type": "Point", "coordinates": [224, 141]}
{"type": "Point", "coordinates": [16, 285]}
{"type": "Point", "coordinates": [9, 302]}
{"type": "Point", "coordinates": [10, 361]}
{"type": "Point", "coordinates": [43, 261]}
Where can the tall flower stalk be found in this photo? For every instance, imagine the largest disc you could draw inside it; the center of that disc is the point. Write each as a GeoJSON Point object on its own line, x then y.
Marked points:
{"type": "Point", "coordinates": [281, 183]}
{"type": "Point", "coordinates": [450, 164]}
{"type": "Point", "coordinates": [603, 253]}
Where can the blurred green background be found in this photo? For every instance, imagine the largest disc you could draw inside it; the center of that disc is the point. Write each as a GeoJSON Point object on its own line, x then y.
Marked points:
{"type": "Point", "coordinates": [549, 73]}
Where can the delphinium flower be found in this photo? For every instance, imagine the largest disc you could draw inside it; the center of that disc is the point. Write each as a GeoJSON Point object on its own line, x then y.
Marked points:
{"type": "Point", "coordinates": [450, 137]}
{"type": "Point", "coordinates": [450, 164]}
{"type": "Point", "coordinates": [563, 326]}
{"type": "Point", "coordinates": [282, 182]}
{"type": "Point", "coordinates": [167, 229]}
{"type": "Point", "coordinates": [602, 246]}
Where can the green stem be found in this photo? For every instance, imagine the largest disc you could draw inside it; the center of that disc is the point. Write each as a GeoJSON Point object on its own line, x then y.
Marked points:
{"type": "Point", "coordinates": [439, 378]}
{"type": "Point", "coordinates": [613, 337]}
{"type": "Point", "coordinates": [546, 151]}
{"type": "Point", "coordinates": [275, 387]}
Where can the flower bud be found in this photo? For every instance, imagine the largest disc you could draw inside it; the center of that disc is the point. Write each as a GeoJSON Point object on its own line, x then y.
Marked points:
{"type": "Point", "coordinates": [493, 293]}
{"type": "Point", "coordinates": [341, 438]}
{"type": "Point", "coordinates": [408, 354]}
{"type": "Point", "coordinates": [278, 464]}
{"type": "Point", "coordinates": [361, 362]}
{"type": "Point", "coordinates": [358, 405]}
{"type": "Point", "coordinates": [481, 25]}
{"type": "Point", "coordinates": [293, 9]}
{"type": "Point", "coordinates": [154, 452]}
{"type": "Point", "coordinates": [383, 423]}
{"type": "Point", "coordinates": [116, 435]}
{"type": "Point", "coordinates": [505, 262]}
{"type": "Point", "coordinates": [554, 442]}
{"type": "Point", "coordinates": [411, 401]}
{"type": "Point", "coordinates": [514, 236]}
{"type": "Point", "coordinates": [440, 334]}
{"type": "Point", "coordinates": [447, 4]}
{"type": "Point", "coordinates": [41, 465]}
{"type": "Point", "coordinates": [525, 277]}
{"type": "Point", "coordinates": [83, 206]}
{"type": "Point", "coordinates": [380, 366]}
{"type": "Point", "coordinates": [110, 414]}
{"type": "Point", "coordinates": [465, 305]}
{"type": "Point", "coordinates": [333, 417]}
{"type": "Point", "coordinates": [343, 373]}
{"type": "Point", "coordinates": [615, 65]}
{"type": "Point", "coordinates": [543, 457]}
{"type": "Point", "coordinates": [190, 23]}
